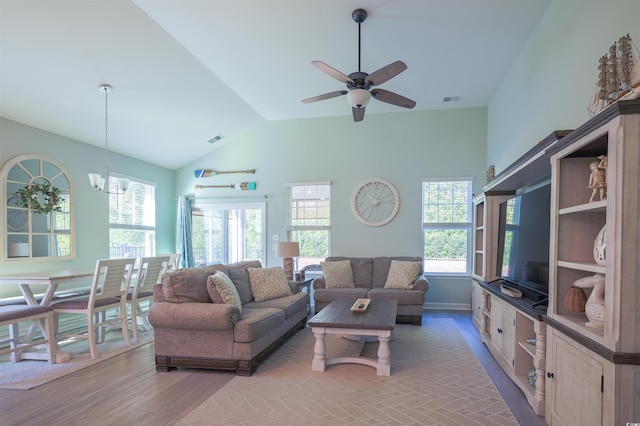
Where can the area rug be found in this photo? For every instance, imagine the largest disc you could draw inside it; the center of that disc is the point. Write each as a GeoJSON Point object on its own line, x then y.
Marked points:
{"type": "Point", "coordinates": [435, 380]}
{"type": "Point", "coordinates": [28, 374]}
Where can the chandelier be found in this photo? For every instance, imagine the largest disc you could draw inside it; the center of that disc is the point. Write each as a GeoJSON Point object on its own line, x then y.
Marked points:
{"type": "Point", "coordinates": [95, 179]}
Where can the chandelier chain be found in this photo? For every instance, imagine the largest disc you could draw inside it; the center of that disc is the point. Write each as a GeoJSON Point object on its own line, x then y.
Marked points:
{"type": "Point", "coordinates": [106, 90]}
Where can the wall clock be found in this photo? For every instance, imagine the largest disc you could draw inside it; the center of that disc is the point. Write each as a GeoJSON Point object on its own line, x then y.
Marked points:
{"type": "Point", "coordinates": [16, 218]}
{"type": "Point", "coordinates": [375, 202]}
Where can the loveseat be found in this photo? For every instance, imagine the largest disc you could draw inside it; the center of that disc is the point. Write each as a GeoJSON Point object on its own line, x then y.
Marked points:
{"type": "Point", "coordinates": [369, 277]}
{"type": "Point", "coordinates": [199, 322]}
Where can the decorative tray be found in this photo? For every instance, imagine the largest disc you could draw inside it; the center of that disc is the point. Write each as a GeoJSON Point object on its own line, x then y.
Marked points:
{"type": "Point", "coordinates": [360, 306]}
{"type": "Point", "coordinates": [510, 291]}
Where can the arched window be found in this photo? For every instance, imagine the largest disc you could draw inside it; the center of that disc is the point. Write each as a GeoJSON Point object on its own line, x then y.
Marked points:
{"type": "Point", "coordinates": [37, 221]}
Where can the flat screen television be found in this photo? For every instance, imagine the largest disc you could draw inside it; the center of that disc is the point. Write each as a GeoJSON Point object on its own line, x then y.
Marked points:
{"type": "Point", "coordinates": [523, 241]}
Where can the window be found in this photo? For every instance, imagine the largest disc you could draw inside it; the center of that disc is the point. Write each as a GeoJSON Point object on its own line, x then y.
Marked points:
{"type": "Point", "coordinates": [310, 221]}
{"type": "Point", "coordinates": [132, 220]}
{"type": "Point", "coordinates": [228, 233]}
{"type": "Point", "coordinates": [446, 226]}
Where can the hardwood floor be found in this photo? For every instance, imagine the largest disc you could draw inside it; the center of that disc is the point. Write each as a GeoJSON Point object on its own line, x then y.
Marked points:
{"type": "Point", "coordinates": [126, 390]}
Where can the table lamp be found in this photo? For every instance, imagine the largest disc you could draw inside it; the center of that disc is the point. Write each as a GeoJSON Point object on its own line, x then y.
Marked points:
{"type": "Point", "coordinates": [287, 250]}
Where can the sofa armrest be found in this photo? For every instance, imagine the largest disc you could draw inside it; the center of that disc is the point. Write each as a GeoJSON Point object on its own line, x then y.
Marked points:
{"type": "Point", "coordinates": [194, 316]}
{"type": "Point", "coordinates": [158, 294]}
{"type": "Point", "coordinates": [318, 283]}
{"type": "Point", "coordinates": [421, 283]}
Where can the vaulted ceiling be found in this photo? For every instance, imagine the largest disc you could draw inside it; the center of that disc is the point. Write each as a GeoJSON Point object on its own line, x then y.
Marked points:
{"type": "Point", "coordinates": [186, 71]}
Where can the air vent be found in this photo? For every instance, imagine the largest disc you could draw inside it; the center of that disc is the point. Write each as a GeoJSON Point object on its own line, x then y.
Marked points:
{"type": "Point", "coordinates": [215, 138]}
{"type": "Point", "coordinates": [451, 98]}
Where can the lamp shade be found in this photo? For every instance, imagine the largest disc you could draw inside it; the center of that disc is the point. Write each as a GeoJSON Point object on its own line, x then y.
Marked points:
{"type": "Point", "coordinates": [358, 98]}
{"type": "Point", "coordinates": [287, 249]}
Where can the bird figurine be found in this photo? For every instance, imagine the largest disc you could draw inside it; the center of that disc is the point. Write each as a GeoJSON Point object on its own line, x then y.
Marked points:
{"type": "Point", "coordinates": [594, 308]}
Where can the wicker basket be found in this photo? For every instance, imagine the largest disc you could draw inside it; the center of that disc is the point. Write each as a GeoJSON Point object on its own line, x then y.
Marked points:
{"type": "Point", "coordinates": [575, 300]}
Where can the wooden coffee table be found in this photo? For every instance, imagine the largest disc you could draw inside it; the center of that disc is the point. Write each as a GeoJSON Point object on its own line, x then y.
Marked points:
{"type": "Point", "coordinates": [379, 320]}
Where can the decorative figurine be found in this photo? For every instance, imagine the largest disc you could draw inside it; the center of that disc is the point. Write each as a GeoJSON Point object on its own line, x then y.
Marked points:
{"type": "Point", "coordinates": [594, 308]}
{"type": "Point", "coordinates": [598, 178]}
{"type": "Point", "coordinates": [491, 173]}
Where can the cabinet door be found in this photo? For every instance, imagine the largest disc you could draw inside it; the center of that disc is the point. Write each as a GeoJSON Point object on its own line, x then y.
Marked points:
{"type": "Point", "coordinates": [497, 332]}
{"type": "Point", "coordinates": [508, 335]}
{"type": "Point", "coordinates": [476, 305]}
{"type": "Point", "coordinates": [574, 383]}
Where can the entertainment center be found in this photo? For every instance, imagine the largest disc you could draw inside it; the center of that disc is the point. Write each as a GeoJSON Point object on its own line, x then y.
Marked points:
{"type": "Point", "coordinates": [571, 372]}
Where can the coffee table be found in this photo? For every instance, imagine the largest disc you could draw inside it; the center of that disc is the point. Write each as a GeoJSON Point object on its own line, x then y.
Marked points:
{"type": "Point", "coordinates": [336, 318]}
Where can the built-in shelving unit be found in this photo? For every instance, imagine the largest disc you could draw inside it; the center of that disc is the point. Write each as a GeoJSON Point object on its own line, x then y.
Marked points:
{"type": "Point", "coordinates": [506, 324]}
{"type": "Point", "coordinates": [478, 240]}
{"type": "Point", "coordinates": [593, 375]}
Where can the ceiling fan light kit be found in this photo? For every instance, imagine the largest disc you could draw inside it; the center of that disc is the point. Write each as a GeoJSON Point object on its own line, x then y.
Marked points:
{"type": "Point", "coordinates": [358, 98]}
{"type": "Point", "coordinates": [359, 83]}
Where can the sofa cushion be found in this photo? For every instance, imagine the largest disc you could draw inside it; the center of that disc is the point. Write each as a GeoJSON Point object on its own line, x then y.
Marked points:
{"type": "Point", "coordinates": [402, 274]}
{"type": "Point", "coordinates": [222, 290]}
{"type": "Point", "coordinates": [268, 283]}
{"type": "Point", "coordinates": [256, 323]}
{"type": "Point", "coordinates": [240, 277]}
{"type": "Point", "coordinates": [362, 268]}
{"type": "Point", "coordinates": [338, 274]}
{"type": "Point", "coordinates": [291, 305]}
{"type": "Point", "coordinates": [189, 285]}
{"type": "Point", "coordinates": [404, 297]}
{"type": "Point", "coordinates": [330, 294]}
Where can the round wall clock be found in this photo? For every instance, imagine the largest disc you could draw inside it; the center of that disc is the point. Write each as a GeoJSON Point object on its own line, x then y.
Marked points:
{"type": "Point", "coordinates": [375, 202]}
{"type": "Point", "coordinates": [16, 218]}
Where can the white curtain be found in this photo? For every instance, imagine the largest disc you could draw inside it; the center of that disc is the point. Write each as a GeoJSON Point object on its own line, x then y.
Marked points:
{"type": "Point", "coordinates": [183, 233]}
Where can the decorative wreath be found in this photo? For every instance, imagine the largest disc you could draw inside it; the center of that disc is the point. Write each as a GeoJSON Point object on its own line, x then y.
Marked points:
{"type": "Point", "coordinates": [28, 197]}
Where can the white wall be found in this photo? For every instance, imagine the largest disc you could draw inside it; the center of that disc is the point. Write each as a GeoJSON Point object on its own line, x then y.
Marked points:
{"type": "Point", "coordinates": [403, 147]}
{"type": "Point", "coordinates": [551, 82]}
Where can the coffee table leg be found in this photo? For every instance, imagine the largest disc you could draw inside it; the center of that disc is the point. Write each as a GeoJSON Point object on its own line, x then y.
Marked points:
{"type": "Point", "coordinates": [319, 350]}
{"type": "Point", "coordinates": [384, 356]}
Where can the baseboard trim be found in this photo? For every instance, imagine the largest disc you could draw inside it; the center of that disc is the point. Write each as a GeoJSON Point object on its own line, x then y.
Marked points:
{"type": "Point", "coordinates": [448, 306]}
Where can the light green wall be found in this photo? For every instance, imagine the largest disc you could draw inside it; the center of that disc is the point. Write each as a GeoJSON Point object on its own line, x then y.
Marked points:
{"type": "Point", "coordinates": [550, 84]}
{"type": "Point", "coordinates": [403, 148]}
{"type": "Point", "coordinates": [91, 220]}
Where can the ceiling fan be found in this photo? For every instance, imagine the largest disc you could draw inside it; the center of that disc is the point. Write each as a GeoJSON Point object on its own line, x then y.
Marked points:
{"type": "Point", "coordinates": [359, 83]}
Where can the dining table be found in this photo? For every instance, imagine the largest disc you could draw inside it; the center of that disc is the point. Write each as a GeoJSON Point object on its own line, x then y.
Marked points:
{"type": "Point", "coordinates": [26, 281]}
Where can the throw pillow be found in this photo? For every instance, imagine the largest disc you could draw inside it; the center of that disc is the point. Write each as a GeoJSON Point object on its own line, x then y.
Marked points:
{"type": "Point", "coordinates": [222, 290]}
{"type": "Point", "coordinates": [402, 274]}
{"type": "Point", "coordinates": [338, 274]}
{"type": "Point", "coordinates": [240, 277]}
{"type": "Point", "coordinates": [268, 283]}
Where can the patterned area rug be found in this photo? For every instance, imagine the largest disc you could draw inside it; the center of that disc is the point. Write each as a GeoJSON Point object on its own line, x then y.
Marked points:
{"type": "Point", "coordinates": [435, 380]}
{"type": "Point", "coordinates": [28, 374]}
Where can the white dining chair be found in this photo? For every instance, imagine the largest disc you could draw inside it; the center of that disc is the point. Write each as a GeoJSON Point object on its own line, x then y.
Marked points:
{"type": "Point", "coordinates": [174, 261]}
{"type": "Point", "coordinates": [13, 315]}
{"type": "Point", "coordinates": [109, 290]}
{"type": "Point", "coordinates": [150, 271]}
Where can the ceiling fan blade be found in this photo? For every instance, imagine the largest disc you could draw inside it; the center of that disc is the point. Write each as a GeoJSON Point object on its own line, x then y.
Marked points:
{"type": "Point", "coordinates": [325, 96]}
{"type": "Point", "coordinates": [392, 98]}
{"type": "Point", "coordinates": [358, 114]}
{"type": "Point", "coordinates": [386, 73]}
{"type": "Point", "coordinates": [332, 72]}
